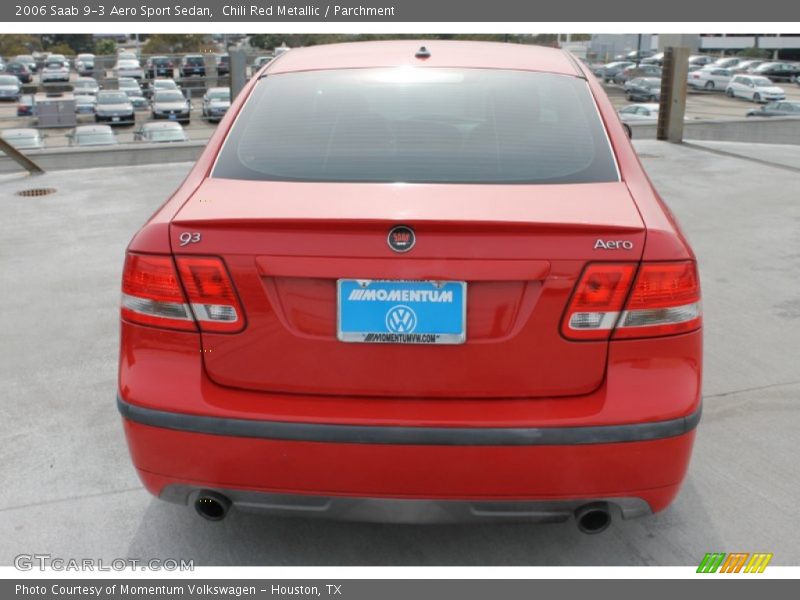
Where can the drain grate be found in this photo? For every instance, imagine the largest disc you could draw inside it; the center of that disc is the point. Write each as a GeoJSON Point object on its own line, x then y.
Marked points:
{"type": "Point", "coordinates": [33, 192]}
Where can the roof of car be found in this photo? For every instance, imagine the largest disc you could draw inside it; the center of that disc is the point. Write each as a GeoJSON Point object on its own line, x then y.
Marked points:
{"type": "Point", "coordinates": [93, 129]}
{"type": "Point", "coordinates": [647, 105]}
{"type": "Point", "coordinates": [22, 132]}
{"type": "Point", "coordinates": [443, 53]}
{"type": "Point", "coordinates": [162, 125]}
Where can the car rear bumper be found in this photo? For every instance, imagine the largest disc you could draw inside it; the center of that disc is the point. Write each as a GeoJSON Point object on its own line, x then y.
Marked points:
{"type": "Point", "coordinates": [409, 473]}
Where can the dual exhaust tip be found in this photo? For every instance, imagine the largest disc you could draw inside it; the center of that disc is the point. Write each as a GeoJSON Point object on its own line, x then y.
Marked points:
{"type": "Point", "coordinates": [591, 518]}
{"type": "Point", "coordinates": [211, 505]}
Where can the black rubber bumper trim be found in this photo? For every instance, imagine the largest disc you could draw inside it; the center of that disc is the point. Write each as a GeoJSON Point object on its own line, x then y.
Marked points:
{"type": "Point", "coordinates": [418, 436]}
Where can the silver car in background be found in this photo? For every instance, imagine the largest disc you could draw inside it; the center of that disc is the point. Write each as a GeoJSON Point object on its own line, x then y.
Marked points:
{"type": "Point", "coordinates": [161, 131]}
{"type": "Point", "coordinates": [216, 103]}
{"type": "Point", "coordinates": [114, 107]}
{"type": "Point", "coordinates": [86, 86]}
{"type": "Point", "coordinates": [128, 67]}
{"type": "Point", "coordinates": [172, 105]}
{"type": "Point", "coordinates": [92, 135]}
{"type": "Point", "coordinates": [9, 88]}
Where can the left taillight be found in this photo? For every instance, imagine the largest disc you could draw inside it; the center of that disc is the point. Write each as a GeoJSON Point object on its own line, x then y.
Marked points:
{"type": "Point", "coordinates": [198, 293]}
{"type": "Point", "coordinates": [152, 294]}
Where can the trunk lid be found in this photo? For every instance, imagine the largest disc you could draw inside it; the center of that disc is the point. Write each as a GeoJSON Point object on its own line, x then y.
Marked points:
{"type": "Point", "coordinates": [520, 248]}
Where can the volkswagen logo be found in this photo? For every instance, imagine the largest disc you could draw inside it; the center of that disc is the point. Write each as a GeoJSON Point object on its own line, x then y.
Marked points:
{"type": "Point", "coordinates": [401, 319]}
{"type": "Point", "coordinates": [401, 238]}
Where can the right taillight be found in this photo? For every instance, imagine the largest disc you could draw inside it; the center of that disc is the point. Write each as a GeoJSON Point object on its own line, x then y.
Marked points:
{"type": "Point", "coordinates": [213, 299]}
{"type": "Point", "coordinates": [663, 299]}
{"type": "Point", "coordinates": [153, 293]}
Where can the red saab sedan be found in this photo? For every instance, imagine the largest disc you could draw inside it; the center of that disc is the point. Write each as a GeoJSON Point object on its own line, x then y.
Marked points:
{"type": "Point", "coordinates": [414, 283]}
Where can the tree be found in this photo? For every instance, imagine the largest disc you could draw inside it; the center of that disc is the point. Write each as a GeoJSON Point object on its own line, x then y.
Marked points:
{"type": "Point", "coordinates": [754, 53]}
{"type": "Point", "coordinates": [13, 44]}
{"type": "Point", "coordinates": [105, 46]}
{"type": "Point", "coordinates": [60, 48]}
{"type": "Point", "coordinates": [168, 43]}
{"type": "Point", "coordinates": [77, 42]}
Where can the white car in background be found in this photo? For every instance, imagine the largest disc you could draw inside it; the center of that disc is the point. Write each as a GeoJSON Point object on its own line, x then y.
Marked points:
{"type": "Point", "coordinates": [727, 62]}
{"type": "Point", "coordinates": [55, 70]}
{"type": "Point", "coordinates": [23, 139]}
{"type": "Point", "coordinates": [710, 78]}
{"type": "Point", "coordinates": [128, 67]}
{"type": "Point", "coordinates": [639, 113]}
{"type": "Point", "coordinates": [10, 87]}
{"type": "Point", "coordinates": [754, 88]}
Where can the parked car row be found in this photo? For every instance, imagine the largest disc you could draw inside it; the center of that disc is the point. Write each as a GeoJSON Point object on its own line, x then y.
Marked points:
{"type": "Point", "coordinates": [163, 98]}
{"type": "Point", "coordinates": [30, 138]}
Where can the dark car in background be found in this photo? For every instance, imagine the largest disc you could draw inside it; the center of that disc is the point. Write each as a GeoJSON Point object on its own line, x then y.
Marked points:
{"type": "Point", "coordinates": [25, 106]}
{"type": "Point", "coordinates": [20, 70]}
{"type": "Point", "coordinates": [158, 66]}
{"type": "Point", "coordinates": [224, 65]}
{"type": "Point", "coordinates": [27, 60]}
{"type": "Point", "coordinates": [784, 108]}
{"type": "Point", "coordinates": [643, 89]}
{"type": "Point", "coordinates": [193, 65]}
{"type": "Point", "coordinates": [777, 71]}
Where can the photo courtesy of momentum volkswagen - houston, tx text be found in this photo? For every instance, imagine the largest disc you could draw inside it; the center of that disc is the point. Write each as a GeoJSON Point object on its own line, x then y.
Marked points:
{"type": "Point", "coordinates": [414, 281]}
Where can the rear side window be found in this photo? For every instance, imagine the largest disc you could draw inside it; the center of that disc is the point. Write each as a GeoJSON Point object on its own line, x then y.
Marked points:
{"type": "Point", "coordinates": [424, 125]}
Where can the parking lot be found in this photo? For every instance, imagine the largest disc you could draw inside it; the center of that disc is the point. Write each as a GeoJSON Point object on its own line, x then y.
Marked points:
{"type": "Point", "coordinates": [199, 128]}
{"type": "Point", "coordinates": [700, 105]}
{"type": "Point", "coordinates": [70, 490]}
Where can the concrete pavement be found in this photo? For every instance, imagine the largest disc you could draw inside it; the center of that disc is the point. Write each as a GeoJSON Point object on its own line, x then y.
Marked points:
{"type": "Point", "coordinates": [69, 488]}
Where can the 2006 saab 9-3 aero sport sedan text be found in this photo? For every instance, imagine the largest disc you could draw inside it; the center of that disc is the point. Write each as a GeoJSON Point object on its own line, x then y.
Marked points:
{"type": "Point", "coordinates": [414, 283]}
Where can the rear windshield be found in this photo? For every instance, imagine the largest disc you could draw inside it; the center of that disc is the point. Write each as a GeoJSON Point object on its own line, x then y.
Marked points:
{"type": "Point", "coordinates": [169, 96]}
{"type": "Point", "coordinates": [112, 98]}
{"type": "Point", "coordinates": [426, 125]}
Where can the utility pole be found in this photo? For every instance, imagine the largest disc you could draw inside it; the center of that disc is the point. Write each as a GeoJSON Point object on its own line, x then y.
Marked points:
{"type": "Point", "coordinates": [638, 50]}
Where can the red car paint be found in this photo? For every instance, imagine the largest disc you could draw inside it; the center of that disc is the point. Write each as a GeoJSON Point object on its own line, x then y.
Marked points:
{"type": "Point", "coordinates": [531, 257]}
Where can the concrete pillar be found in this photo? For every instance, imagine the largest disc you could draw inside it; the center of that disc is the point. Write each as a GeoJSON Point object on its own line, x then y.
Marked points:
{"type": "Point", "coordinates": [238, 71]}
{"type": "Point", "coordinates": [672, 107]}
